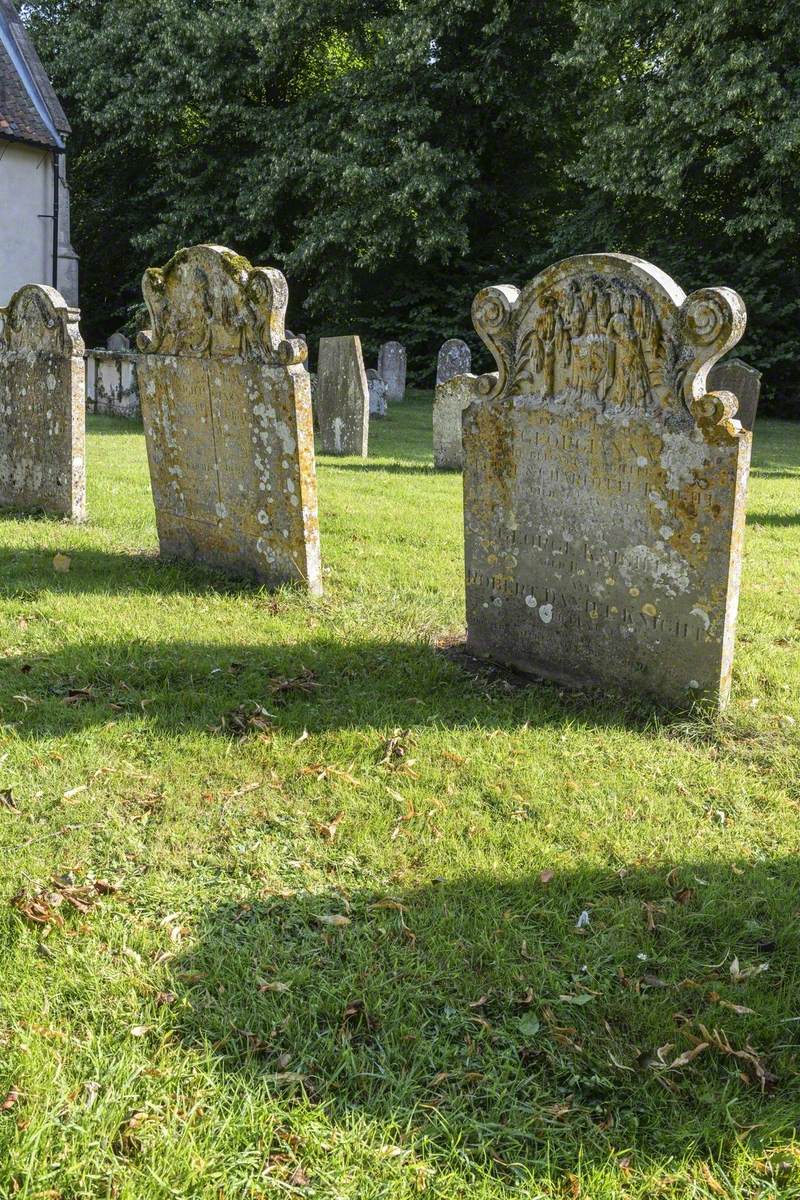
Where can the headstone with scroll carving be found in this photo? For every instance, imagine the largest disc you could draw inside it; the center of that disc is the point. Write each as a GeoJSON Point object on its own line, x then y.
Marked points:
{"type": "Point", "coordinates": [42, 404]}
{"type": "Point", "coordinates": [392, 369]}
{"type": "Point", "coordinates": [226, 405]}
{"type": "Point", "coordinates": [604, 487]}
{"type": "Point", "coordinates": [342, 400]}
{"type": "Point", "coordinates": [455, 358]}
{"type": "Point", "coordinates": [450, 400]}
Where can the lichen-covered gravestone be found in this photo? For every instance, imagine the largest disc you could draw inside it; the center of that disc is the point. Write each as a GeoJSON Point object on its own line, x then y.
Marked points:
{"type": "Point", "coordinates": [744, 381]}
{"type": "Point", "coordinates": [342, 399]}
{"type": "Point", "coordinates": [42, 404]}
{"type": "Point", "coordinates": [451, 398]}
{"type": "Point", "coordinates": [227, 417]}
{"type": "Point", "coordinates": [377, 393]}
{"type": "Point", "coordinates": [454, 359]}
{"type": "Point", "coordinates": [604, 489]}
{"type": "Point", "coordinates": [392, 369]}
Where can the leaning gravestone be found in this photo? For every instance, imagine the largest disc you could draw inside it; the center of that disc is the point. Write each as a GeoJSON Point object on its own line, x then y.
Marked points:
{"type": "Point", "coordinates": [42, 404]}
{"type": "Point", "coordinates": [342, 400]}
{"type": "Point", "coordinates": [454, 359]}
{"type": "Point", "coordinates": [377, 393]}
{"type": "Point", "coordinates": [227, 417]}
{"type": "Point", "coordinates": [736, 376]}
{"type": "Point", "coordinates": [450, 400]}
{"type": "Point", "coordinates": [604, 488]}
{"type": "Point", "coordinates": [392, 369]}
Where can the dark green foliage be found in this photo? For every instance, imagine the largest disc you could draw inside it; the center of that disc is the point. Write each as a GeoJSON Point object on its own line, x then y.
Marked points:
{"type": "Point", "coordinates": [394, 157]}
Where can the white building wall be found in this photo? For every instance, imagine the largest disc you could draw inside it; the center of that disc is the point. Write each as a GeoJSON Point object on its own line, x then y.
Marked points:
{"type": "Point", "coordinates": [26, 238]}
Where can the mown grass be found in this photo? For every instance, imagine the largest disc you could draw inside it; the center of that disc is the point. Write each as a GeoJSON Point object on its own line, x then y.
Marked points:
{"type": "Point", "coordinates": [203, 1029]}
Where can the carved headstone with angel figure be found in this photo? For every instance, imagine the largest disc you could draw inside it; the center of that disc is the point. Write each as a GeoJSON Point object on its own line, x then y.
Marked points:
{"type": "Point", "coordinates": [42, 404]}
{"type": "Point", "coordinates": [604, 486]}
{"type": "Point", "coordinates": [226, 405]}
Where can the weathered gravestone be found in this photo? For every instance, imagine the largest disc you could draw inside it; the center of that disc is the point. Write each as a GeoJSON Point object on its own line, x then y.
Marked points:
{"type": "Point", "coordinates": [118, 341]}
{"type": "Point", "coordinates": [42, 404]}
{"type": "Point", "coordinates": [604, 488]}
{"type": "Point", "coordinates": [451, 398]}
{"type": "Point", "coordinates": [377, 393]}
{"type": "Point", "coordinates": [454, 359]}
{"type": "Point", "coordinates": [392, 369]}
{"type": "Point", "coordinates": [342, 399]}
{"type": "Point", "coordinates": [227, 417]}
{"type": "Point", "coordinates": [736, 376]}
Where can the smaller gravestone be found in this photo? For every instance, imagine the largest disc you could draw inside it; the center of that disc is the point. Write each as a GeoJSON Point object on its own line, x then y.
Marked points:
{"type": "Point", "coordinates": [42, 404]}
{"type": "Point", "coordinates": [227, 419]}
{"type": "Point", "coordinates": [451, 398]}
{"type": "Point", "coordinates": [342, 402]}
{"type": "Point", "coordinates": [392, 369]}
{"type": "Point", "coordinates": [377, 394]}
{"type": "Point", "coordinates": [733, 375]}
{"type": "Point", "coordinates": [454, 359]}
{"type": "Point", "coordinates": [118, 341]}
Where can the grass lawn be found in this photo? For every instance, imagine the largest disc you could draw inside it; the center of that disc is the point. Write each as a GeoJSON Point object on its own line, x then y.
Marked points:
{"type": "Point", "coordinates": [320, 882]}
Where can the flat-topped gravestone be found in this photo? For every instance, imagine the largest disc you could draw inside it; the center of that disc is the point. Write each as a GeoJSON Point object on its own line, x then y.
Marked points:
{"type": "Point", "coordinates": [451, 398]}
{"type": "Point", "coordinates": [454, 359]}
{"type": "Point", "coordinates": [227, 418]}
{"type": "Point", "coordinates": [118, 341]}
{"type": "Point", "coordinates": [733, 375]}
{"type": "Point", "coordinates": [604, 487]}
{"type": "Point", "coordinates": [42, 404]}
{"type": "Point", "coordinates": [377, 393]}
{"type": "Point", "coordinates": [392, 369]}
{"type": "Point", "coordinates": [342, 399]}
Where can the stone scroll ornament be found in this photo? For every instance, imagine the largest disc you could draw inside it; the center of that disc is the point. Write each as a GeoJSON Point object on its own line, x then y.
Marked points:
{"type": "Point", "coordinates": [226, 404]}
{"type": "Point", "coordinates": [42, 404]}
{"type": "Point", "coordinates": [604, 486]}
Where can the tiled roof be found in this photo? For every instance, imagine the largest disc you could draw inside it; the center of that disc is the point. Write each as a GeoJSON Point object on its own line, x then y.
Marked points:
{"type": "Point", "coordinates": [29, 109]}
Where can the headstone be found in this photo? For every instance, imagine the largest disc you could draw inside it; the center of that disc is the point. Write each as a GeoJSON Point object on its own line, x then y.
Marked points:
{"type": "Point", "coordinates": [454, 359]}
{"type": "Point", "coordinates": [392, 369]}
{"type": "Point", "coordinates": [733, 375]}
{"type": "Point", "coordinates": [377, 393]}
{"type": "Point", "coordinates": [42, 404]}
{"type": "Point", "coordinates": [604, 489]}
{"type": "Point", "coordinates": [111, 383]}
{"type": "Point", "coordinates": [227, 419]}
{"type": "Point", "coordinates": [118, 341]}
{"type": "Point", "coordinates": [342, 401]}
{"type": "Point", "coordinates": [450, 400]}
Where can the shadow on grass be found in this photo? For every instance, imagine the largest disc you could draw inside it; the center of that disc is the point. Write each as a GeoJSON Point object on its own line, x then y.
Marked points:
{"type": "Point", "coordinates": [388, 467]}
{"type": "Point", "coordinates": [778, 520]}
{"type": "Point", "coordinates": [474, 1014]}
{"type": "Point", "coordinates": [322, 684]}
{"type": "Point", "coordinates": [26, 572]}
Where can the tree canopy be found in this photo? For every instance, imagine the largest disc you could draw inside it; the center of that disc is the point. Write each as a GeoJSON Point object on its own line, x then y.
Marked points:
{"type": "Point", "coordinates": [394, 156]}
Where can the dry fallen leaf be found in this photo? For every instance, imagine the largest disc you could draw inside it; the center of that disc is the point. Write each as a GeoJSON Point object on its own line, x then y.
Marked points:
{"type": "Point", "coordinates": [139, 1031]}
{"type": "Point", "coordinates": [687, 1056]}
{"type": "Point", "coordinates": [336, 919]}
{"type": "Point", "coordinates": [274, 986]}
{"type": "Point", "coordinates": [62, 563]}
{"type": "Point", "coordinates": [546, 876]}
{"type": "Point", "coordinates": [11, 1099]}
